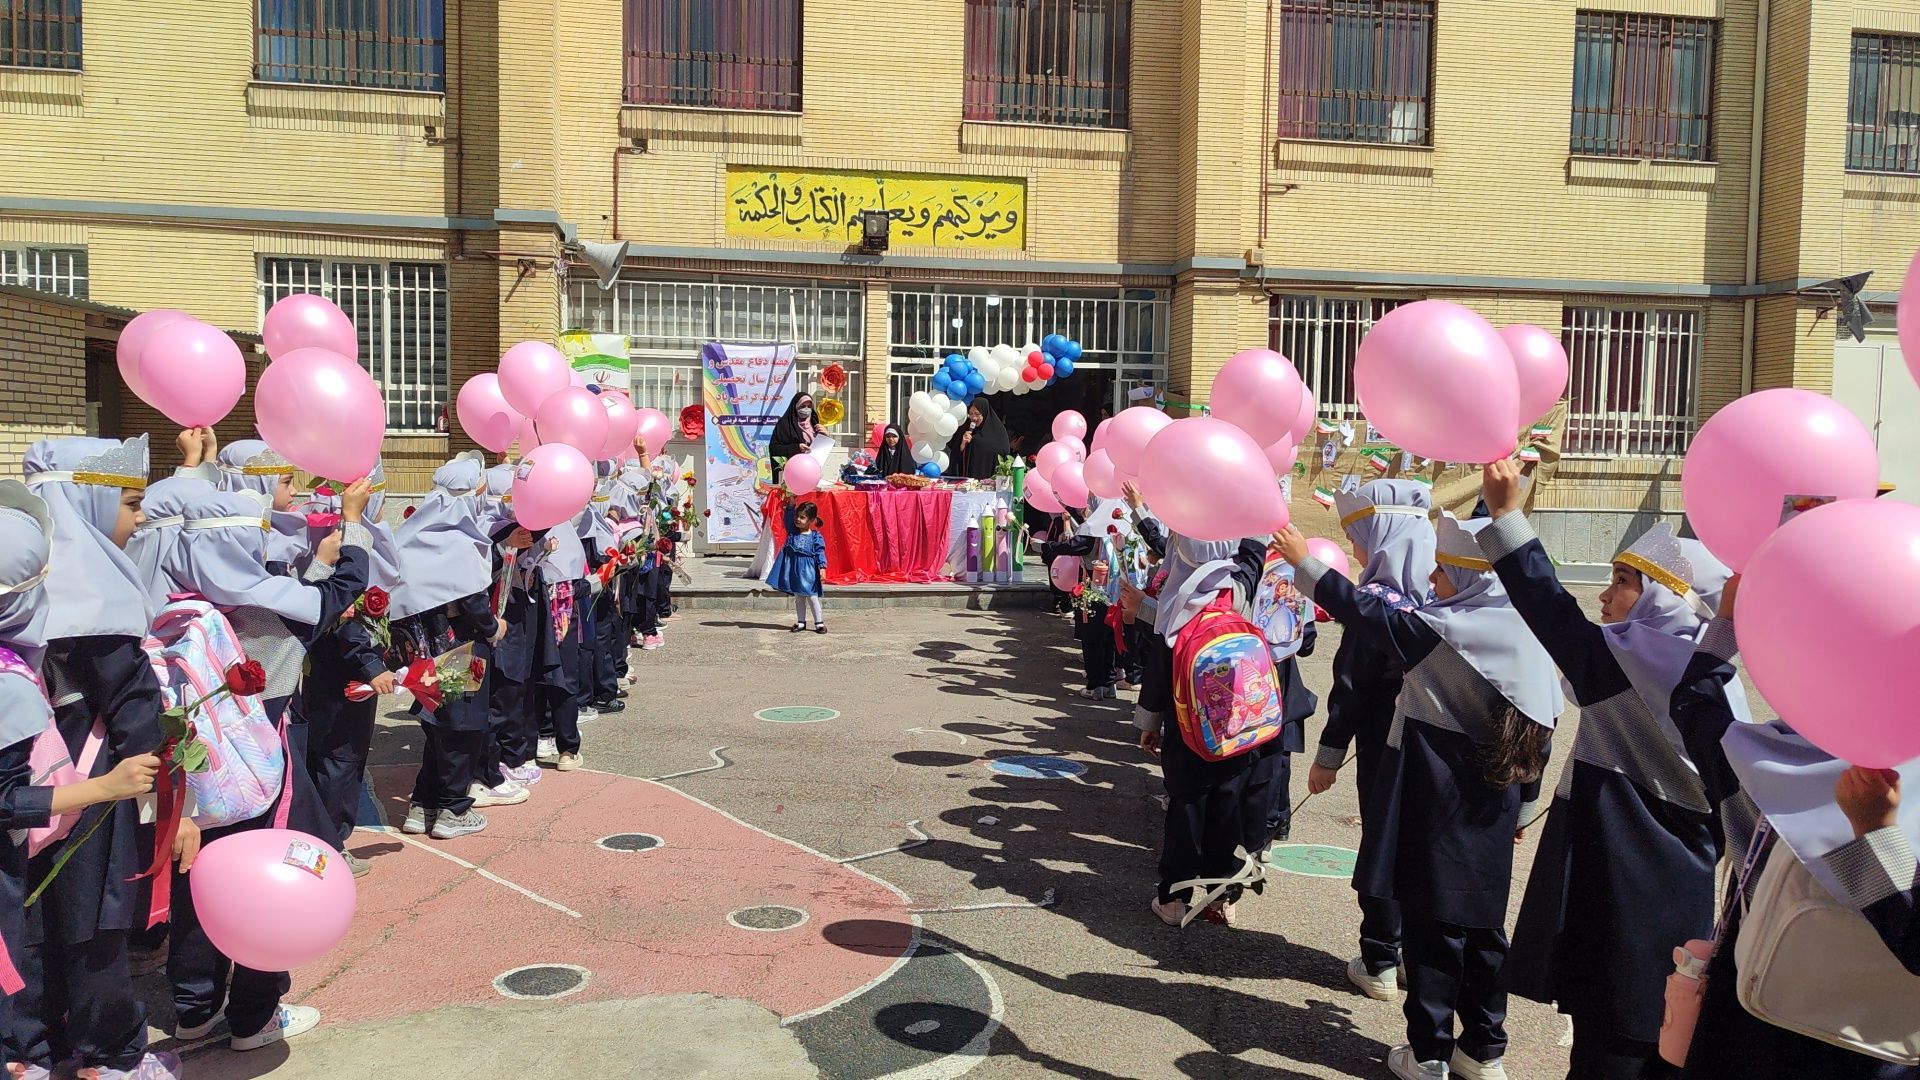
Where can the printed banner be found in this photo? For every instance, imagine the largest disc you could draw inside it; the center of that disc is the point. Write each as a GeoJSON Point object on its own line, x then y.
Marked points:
{"type": "Point", "coordinates": [927, 210]}
{"type": "Point", "coordinates": [601, 359]}
{"type": "Point", "coordinates": [748, 388]}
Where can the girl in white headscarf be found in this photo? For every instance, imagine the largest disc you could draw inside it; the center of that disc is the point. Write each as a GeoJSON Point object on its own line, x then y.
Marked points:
{"type": "Point", "coordinates": [25, 715]}
{"type": "Point", "coordinates": [163, 508]}
{"type": "Point", "coordinates": [1464, 756]}
{"type": "Point", "coordinates": [603, 646]}
{"type": "Point", "coordinates": [79, 992]}
{"type": "Point", "coordinates": [252, 465]}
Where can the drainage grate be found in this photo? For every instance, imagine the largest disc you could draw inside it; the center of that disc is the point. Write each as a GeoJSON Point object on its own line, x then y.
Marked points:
{"type": "Point", "coordinates": [541, 982]}
{"type": "Point", "coordinates": [630, 841]}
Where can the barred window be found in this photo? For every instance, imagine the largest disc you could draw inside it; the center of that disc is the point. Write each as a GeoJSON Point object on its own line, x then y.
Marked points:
{"type": "Point", "coordinates": [1321, 334]}
{"type": "Point", "coordinates": [1059, 62]}
{"type": "Point", "coordinates": [1355, 70]}
{"type": "Point", "coordinates": [1643, 86]}
{"type": "Point", "coordinates": [40, 34]}
{"type": "Point", "coordinates": [717, 54]}
{"type": "Point", "coordinates": [1633, 378]}
{"type": "Point", "coordinates": [1883, 104]}
{"type": "Point", "coordinates": [54, 270]}
{"type": "Point", "coordinates": [401, 312]}
{"type": "Point", "coordinates": [378, 44]}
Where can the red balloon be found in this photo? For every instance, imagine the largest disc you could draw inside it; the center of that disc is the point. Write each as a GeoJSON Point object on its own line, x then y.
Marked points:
{"type": "Point", "coordinates": [1035, 359]}
{"type": "Point", "coordinates": [1030, 374]}
{"type": "Point", "coordinates": [1046, 371]}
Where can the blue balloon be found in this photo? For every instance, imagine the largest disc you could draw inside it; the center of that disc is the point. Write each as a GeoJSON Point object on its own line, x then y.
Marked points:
{"type": "Point", "coordinates": [941, 380]}
{"type": "Point", "coordinates": [976, 382]}
{"type": "Point", "coordinates": [1062, 368]}
{"type": "Point", "coordinates": [930, 469]}
{"type": "Point", "coordinates": [1070, 350]}
{"type": "Point", "coordinates": [1052, 343]}
{"type": "Point", "coordinates": [957, 365]}
{"type": "Point", "coordinates": [955, 358]}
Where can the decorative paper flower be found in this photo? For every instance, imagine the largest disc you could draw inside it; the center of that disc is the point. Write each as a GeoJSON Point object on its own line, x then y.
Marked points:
{"type": "Point", "coordinates": [693, 422]}
{"type": "Point", "coordinates": [834, 378]}
{"type": "Point", "coordinates": [831, 411]}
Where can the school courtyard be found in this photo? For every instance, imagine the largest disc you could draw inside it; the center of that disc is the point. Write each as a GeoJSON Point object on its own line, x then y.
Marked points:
{"type": "Point", "coordinates": [901, 849]}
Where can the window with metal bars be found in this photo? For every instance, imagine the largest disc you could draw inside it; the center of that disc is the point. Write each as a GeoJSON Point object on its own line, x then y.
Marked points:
{"type": "Point", "coordinates": [1883, 104]}
{"type": "Point", "coordinates": [376, 44]}
{"type": "Point", "coordinates": [40, 34]}
{"type": "Point", "coordinates": [714, 54]}
{"type": "Point", "coordinates": [55, 270]}
{"type": "Point", "coordinates": [1321, 334]}
{"type": "Point", "coordinates": [400, 310]}
{"type": "Point", "coordinates": [1632, 386]}
{"type": "Point", "coordinates": [1355, 70]}
{"type": "Point", "coordinates": [1643, 86]}
{"type": "Point", "coordinates": [1058, 62]}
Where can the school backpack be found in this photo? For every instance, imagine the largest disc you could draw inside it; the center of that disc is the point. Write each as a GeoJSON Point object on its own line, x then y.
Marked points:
{"type": "Point", "coordinates": [1280, 612]}
{"type": "Point", "coordinates": [1813, 965]}
{"type": "Point", "coordinates": [1226, 693]}
{"type": "Point", "coordinates": [49, 763]}
{"type": "Point", "coordinates": [191, 647]}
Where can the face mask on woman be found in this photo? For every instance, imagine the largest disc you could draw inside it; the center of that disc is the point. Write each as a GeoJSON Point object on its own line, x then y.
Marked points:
{"type": "Point", "coordinates": [804, 413]}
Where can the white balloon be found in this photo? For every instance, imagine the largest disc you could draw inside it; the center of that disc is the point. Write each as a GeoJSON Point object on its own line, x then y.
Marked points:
{"type": "Point", "coordinates": [978, 355]}
{"type": "Point", "coordinates": [1007, 355]}
{"type": "Point", "coordinates": [941, 461]}
{"type": "Point", "coordinates": [1029, 350]}
{"type": "Point", "coordinates": [920, 400]}
{"type": "Point", "coordinates": [947, 426]}
{"type": "Point", "coordinates": [922, 452]}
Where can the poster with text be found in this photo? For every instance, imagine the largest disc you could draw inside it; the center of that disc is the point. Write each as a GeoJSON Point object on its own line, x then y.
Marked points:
{"type": "Point", "coordinates": [748, 388]}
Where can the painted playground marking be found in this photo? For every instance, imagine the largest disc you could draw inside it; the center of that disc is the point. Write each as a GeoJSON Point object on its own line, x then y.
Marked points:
{"type": "Point", "coordinates": [920, 837]}
{"type": "Point", "coordinates": [541, 982]}
{"type": "Point", "coordinates": [767, 918]}
{"type": "Point", "coordinates": [1313, 860]}
{"type": "Point", "coordinates": [1036, 767]}
{"type": "Point", "coordinates": [629, 842]}
{"type": "Point", "coordinates": [719, 762]}
{"type": "Point", "coordinates": [489, 875]}
{"type": "Point", "coordinates": [797, 714]}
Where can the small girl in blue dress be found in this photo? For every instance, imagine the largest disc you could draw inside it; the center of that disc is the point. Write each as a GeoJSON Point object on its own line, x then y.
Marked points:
{"type": "Point", "coordinates": [802, 565]}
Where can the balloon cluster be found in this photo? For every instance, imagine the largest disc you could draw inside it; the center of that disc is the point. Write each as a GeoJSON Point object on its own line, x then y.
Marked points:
{"type": "Point", "coordinates": [562, 425]}
{"type": "Point", "coordinates": [933, 415]}
{"type": "Point", "coordinates": [190, 371]}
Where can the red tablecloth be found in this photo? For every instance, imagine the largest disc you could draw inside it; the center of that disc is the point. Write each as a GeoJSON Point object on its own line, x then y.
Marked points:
{"type": "Point", "coordinates": [883, 536]}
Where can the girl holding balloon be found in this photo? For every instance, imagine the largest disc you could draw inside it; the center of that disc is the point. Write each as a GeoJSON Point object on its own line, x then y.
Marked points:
{"type": "Point", "coordinates": [251, 465]}
{"type": "Point", "coordinates": [1625, 866]}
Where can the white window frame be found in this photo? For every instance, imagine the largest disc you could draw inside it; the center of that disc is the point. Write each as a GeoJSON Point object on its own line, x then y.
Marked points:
{"type": "Point", "coordinates": [1330, 336]}
{"type": "Point", "coordinates": [667, 320]}
{"type": "Point", "coordinates": [1662, 422]}
{"type": "Point", "coordinates": [48, 268]}
{"type": "Point", "coordinates": [1126, 331]}
{"type": "Point", "coordinates": [410, 362]}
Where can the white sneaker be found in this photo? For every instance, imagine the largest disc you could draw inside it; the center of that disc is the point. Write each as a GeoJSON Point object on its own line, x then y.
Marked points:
{"type": "Point", "coordinates": [1382, 987]}
{"type": "Point", "coordinates": [588, 715]}
{"type": "Point", "coordinates": [1469, 1069]}
{"type": "Point", "coordinates": [287, 1022]}
{"type": "Point", "coordinates": [416, 823]}
{"type": "Point", "coordinates": [453, 826]}
{"type": "Point", "coordinates": [526, 775]}
{"type": "Point", "coordinates": [546, 752]}
{"type": "Point", "coordinates": [198, 1031]}
{"type": "Point", "coordinates": [568, 762]}
{"type": "Point", "coordinates": [1400, 1060]}
{"type": "Point", "coordinates": [507, 794]}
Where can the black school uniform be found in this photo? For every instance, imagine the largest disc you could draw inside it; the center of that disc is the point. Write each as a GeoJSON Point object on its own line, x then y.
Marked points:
{"type": "Point", "coordinates": [510, 714]}
{"type": "Point", "coordinates": [1360, 708]}
{"type": "Point", "coordinates": [603, 641]}
{"type": "Point", "coordinates": [1439, 841]}
{"type": "Point", "coordinates": [456, 734]}
{"type": "Point", "coordinates": [201, 977]}
{"type": "Point", "coordinates": [22, 806]}
{"type": "Point", "coordinates": [75, 957]}
{"type": "Point", "coordinates": [557, 691]}
{"type": "Point", "coordinates": [1730, 1043]}
{"type": "Point", "coordinates": [340, 732]}
{"type": "Point", "coordinates": [1090, 628]}
{"type": "Point", "coordinates": [1624, 871]}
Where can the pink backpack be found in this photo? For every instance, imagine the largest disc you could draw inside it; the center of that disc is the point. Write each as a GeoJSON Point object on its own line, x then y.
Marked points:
{"type": "Point", "coordinates": [1226, 692]}
{"type": "Point", "coordinates": [50, 763]}
{"type": "Point", "coordinates": [191, 647]}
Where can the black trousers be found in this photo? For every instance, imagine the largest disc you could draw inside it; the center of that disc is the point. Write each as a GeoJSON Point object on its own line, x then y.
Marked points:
{"type": "Point", "coordinates": [1280, 796]}
{"type": "Point", "coordinates": [202, 978]}
{"type": "Point", "coordinates": [559, 716]}
{"type": "Point", "coordinates": [1455, 970]}
{"type": "Point", "coordinates": [1598, 1054]}
{"type": "Point", "coordinates": [79, 1001]}
{"type": "Point", "coordinates": [1213, 808]}
{"type": "Point", "coordinates": [450, 762]}
{"type": "Point", "coordinates": [514, 727]}
{"type": "Point", "coordinates": [337, 760]}
{"type": "Point", "coordinates": [1096, 648]}
{"type": "Point", "coordinates": [1379, 933]}
{"type": "Point", "coordinates": [1133, 661]}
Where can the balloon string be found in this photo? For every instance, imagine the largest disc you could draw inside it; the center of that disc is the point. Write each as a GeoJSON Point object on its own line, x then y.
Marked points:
{"type": "Point", "coordinates": [1310, 794]}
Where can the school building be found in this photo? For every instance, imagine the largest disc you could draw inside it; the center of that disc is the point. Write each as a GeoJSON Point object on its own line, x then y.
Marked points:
{"type": "Point", "coordinates": [1674, 184]}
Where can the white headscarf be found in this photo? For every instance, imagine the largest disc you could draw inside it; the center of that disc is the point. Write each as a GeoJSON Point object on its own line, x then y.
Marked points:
{"type": "Point", "coordinates": [252, 465]}
{"type": "Point", "coordinates": [383, 560]}
{"type": "Point", "coordinates": [93, 589]}
{"type": "Point", "coordinates": [1656, 642]}
{"type": "Point", "coordinates": [444, 553]}
{"type": "Point", "coordinates": [1479, 622]}
{"type": "Point", "coordinates": [1399, 545]}
{"type": "Point", "coordinates": [24, 554]}
{"type": "Point", "coordinates": [165, 506]}
{"type": "Point", "coordinates": [220, 556]}
{"type": "Point", "coordinates": [1196, 572]}
{"type": "Point", "coordinates": [498, 508]}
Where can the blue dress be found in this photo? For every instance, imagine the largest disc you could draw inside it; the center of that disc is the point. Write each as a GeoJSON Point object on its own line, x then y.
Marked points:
{"type": "Point", "coordinates": [801, 565]}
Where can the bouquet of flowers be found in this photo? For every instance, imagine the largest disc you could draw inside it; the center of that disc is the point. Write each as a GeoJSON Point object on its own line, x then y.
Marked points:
{"type": "Point", "coordinates": [370, 611]}
{"type": "Point", "coordinates": [455, 673]}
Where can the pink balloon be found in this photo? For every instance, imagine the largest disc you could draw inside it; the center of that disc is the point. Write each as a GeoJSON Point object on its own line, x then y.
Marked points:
{"type": "Point", "coordinates": [1099, 440]}
{"type": "Point", "coordinates": [1435, 378]}
{"type": "Point", "coordinates": [133, 341]}
{"type": "Point", "coordinates": [1069, 425]}
{"type": "Point", "coordinates": [623, 425]}
{"type": "Point", "coordinates": [1540, 363]}
{"type": "Point", "coordinates": [1828, 628]}
{"type": "Point", "coordinates": [194, 373]}
{"type": "Point", "coordinates": [577, 378]}
{"type": "Point", "coordinates": [1070, 485]}
{"type": "Point", "coordinates": [1330, 554]}
{"type": "Point", "coordinates": [574, 416]}
{"type": "Point", "coordinates": [1280, 457]}
{"type": "Point", "coordinates": [1907, 318]}
{"type": "Point", "coordinates": [1132, 430]}
{"type": "Point", "coordinates": [1040, 494]}
{"type": "Point", "coordinates": [529, 372]}
{"type": "Point", "coordinates": [1075, 447]}
{"type": "Point", "coordinates": [1762, 448]}
{"type": "Point", "coordinates": [526, 435]}
{"type": "Point", "coordinates": [1101, 478]}
{"type": "Point", "coordinates": [1258, 391]}
{"type": "Point", "coordinates": [272, 899]}
{"type": "Point", "coordinates": [1207, 480]}
{"type": "Point", "coordinates": [322, 412]}
{"type": "Point", "coordinates": [1303, 423]}
{"type": "Point", "coordinates": [802, 474]}
{"type": "Point", "coordinates": [552, 483]}
{"type": "Point", "coordinates": [1051, 457]}
{"type": "Point", "coordinates": [484, 414]}
{"type": "Point", "coordinates": [306, 321]}
{"type": "Point", "coordinates": [655, 430]}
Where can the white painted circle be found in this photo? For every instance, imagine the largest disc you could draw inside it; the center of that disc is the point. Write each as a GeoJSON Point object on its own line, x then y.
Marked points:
{"type": "Point", "coordinates": [501, 987]}
{"type": "Point", "coordinates": [734, 922]}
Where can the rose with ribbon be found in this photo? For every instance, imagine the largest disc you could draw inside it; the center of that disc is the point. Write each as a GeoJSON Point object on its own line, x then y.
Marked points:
{"type": "Point", "coordinates": [456, 673]}
{"type": "Point", "coordinates": [370, 611]}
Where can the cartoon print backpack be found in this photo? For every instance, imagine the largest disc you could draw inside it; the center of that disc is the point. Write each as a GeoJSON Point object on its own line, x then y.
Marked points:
{"type": "Point", "coordinates": [1226, 693]}
{"type": "Point", "coordinates": [49, 762]}
{"type": "Point", "coordinates": [191, 647]}
{"type": "Point", "coordinates": [1280, 610]}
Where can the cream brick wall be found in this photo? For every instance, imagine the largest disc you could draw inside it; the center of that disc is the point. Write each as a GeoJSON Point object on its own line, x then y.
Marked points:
{"type": "Point", "coordinates": [43, 375]}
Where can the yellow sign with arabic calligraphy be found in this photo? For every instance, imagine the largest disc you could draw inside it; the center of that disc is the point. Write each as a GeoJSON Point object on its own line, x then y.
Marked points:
{"type": "Point", "coordinates": [927, 210]}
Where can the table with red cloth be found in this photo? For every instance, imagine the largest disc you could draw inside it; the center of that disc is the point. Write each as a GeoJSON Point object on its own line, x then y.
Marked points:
{"type": "Point", "coordinates": [892, 536]}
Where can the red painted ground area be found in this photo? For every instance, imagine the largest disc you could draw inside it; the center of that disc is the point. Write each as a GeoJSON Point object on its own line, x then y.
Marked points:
{"type": "Point", "coordinates": [431, 933]}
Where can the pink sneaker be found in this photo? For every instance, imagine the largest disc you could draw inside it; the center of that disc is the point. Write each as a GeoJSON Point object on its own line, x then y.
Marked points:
{"type": "Point", "coordinates": [526, 775]}
{"type": "Point", "coordinates": [654, 641]}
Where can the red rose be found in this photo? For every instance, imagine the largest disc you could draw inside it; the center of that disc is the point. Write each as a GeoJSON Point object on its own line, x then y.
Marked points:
{"type": "Point", "coordinates": [706, 513]}
{"type": "Point", "coordinates": [246, 679]}
{"type": "Point", "coordinates": [1118, 513]}
{"type": "Point", "coordinates": [375, 602]}
{"type": "Point", "coordinates": [477, 670]}
{"type": "Point", "coordinates": [408, 512]}
{"type": "Point", "coordinates": [1113, 530]}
